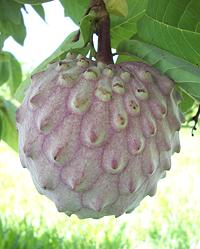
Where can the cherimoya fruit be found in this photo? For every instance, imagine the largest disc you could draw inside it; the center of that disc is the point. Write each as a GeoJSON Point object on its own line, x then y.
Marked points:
{"type": "Point", "coordinates": [97, 138]}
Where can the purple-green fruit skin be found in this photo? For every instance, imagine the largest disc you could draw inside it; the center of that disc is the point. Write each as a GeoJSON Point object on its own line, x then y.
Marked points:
{"type": "Point", "coordinates": [97, 138]}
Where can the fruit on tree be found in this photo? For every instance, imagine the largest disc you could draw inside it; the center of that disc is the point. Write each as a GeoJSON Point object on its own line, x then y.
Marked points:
{"type": "Point", "coordinates": [96, 138]}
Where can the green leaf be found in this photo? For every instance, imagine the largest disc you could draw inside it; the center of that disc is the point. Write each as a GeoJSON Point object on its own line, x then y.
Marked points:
{"type": "Point", "coordinates": [185, 74]}
{"type": "Point", "coordinates": [4, 69]}
{"type": "Point", "coordinates": [124, 28]}
{"type": "Point", "coordinates": [10, 71]}
{"type": "Point", "coordinates": [124, 57]}
{"type": "Point", "coordinates": [117, 7]}
{"type": "Point", "coordinates": [15, 74]}
{"type": "Point", "coordinates": [186, 103]}
{"type": "Point", "coordinates": [9, 131]}
{"type": "Point", "coordinates": [86, 27]}
{"type": "Point", "coordinates": [10, 10]}
{"type": "Point", "coordinates": [18, 32]}
{"type": "Point", "coordinates": [75, 9]}
{"type": "Point", "coordinates": [67, 45]}
{"type": "Point", "coordinates": [2, 39]}
{"type": "Point", "coordinates": [33, 2]}
{"type": "Point", "coordinates": [174, 26]}
{"type": "Point", "coordinates": [40, 10]}
{"type": "Point", "coordinates": [11, 20]}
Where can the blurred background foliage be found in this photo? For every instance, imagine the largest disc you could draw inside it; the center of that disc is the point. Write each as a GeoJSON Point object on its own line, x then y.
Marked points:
{"type": "Point", "coordinates": [165, 34]}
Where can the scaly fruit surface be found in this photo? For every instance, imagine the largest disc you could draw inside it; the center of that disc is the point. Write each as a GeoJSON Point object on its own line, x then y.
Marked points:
{"type": "Point", "coordinates": [97, 138]}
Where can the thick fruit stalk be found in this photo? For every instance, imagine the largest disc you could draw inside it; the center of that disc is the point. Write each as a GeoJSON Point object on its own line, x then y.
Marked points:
{"type": "Point", "coordinates": [97, 138]}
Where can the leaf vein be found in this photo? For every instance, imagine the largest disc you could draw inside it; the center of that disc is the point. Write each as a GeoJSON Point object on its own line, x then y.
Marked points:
{"type": "Point", "coordinates": [184, 12]}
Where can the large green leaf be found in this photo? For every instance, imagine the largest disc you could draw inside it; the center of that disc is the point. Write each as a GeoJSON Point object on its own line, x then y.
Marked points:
{"type": "Point", "coordinates": [117, 7]}
{"type": "Point", "coordinates": [40, 10]}
{"type": "Point", "coordinates": [186, 103]}
{"type": "Point", "coordinates": [67, 45]}
{"type": "Point", "coordinates": [174, 26]}
{"type": "Point", "coordinates": [15, 73]}
{"type": "Point", "coordinates": [75, 9]}
{"type": "Point", "coordinates": [2, 39]}
{"type": "Point", "coordinates": [125, 27]}
{"type": "Point", "coordinates": [18, 32]}
{"type": "Point", "coordinates": [4, 70]}
{"type": "Point", "coordinates": [11, 20]}
{"type": "Point", "coordinates": [10, 71]}
{"type": "Point", "coordinates": [9, 131]}
{"type": "Point", "coordinates": [86, 27]}
{"type": "Point", "coordinates": [127, 57]}
{"type": "Point", "coordinates": [33, 1]}
{"type": "Point", "coordinates": [10, 10]}
{"type": "Point", "coordinates": [185, 74]}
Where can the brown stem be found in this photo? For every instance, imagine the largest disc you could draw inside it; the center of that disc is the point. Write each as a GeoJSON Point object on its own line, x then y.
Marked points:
{"type": "Point", "coordinates": [104, 53]}
{"type": "Point", "coordinates": [102, 27]}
